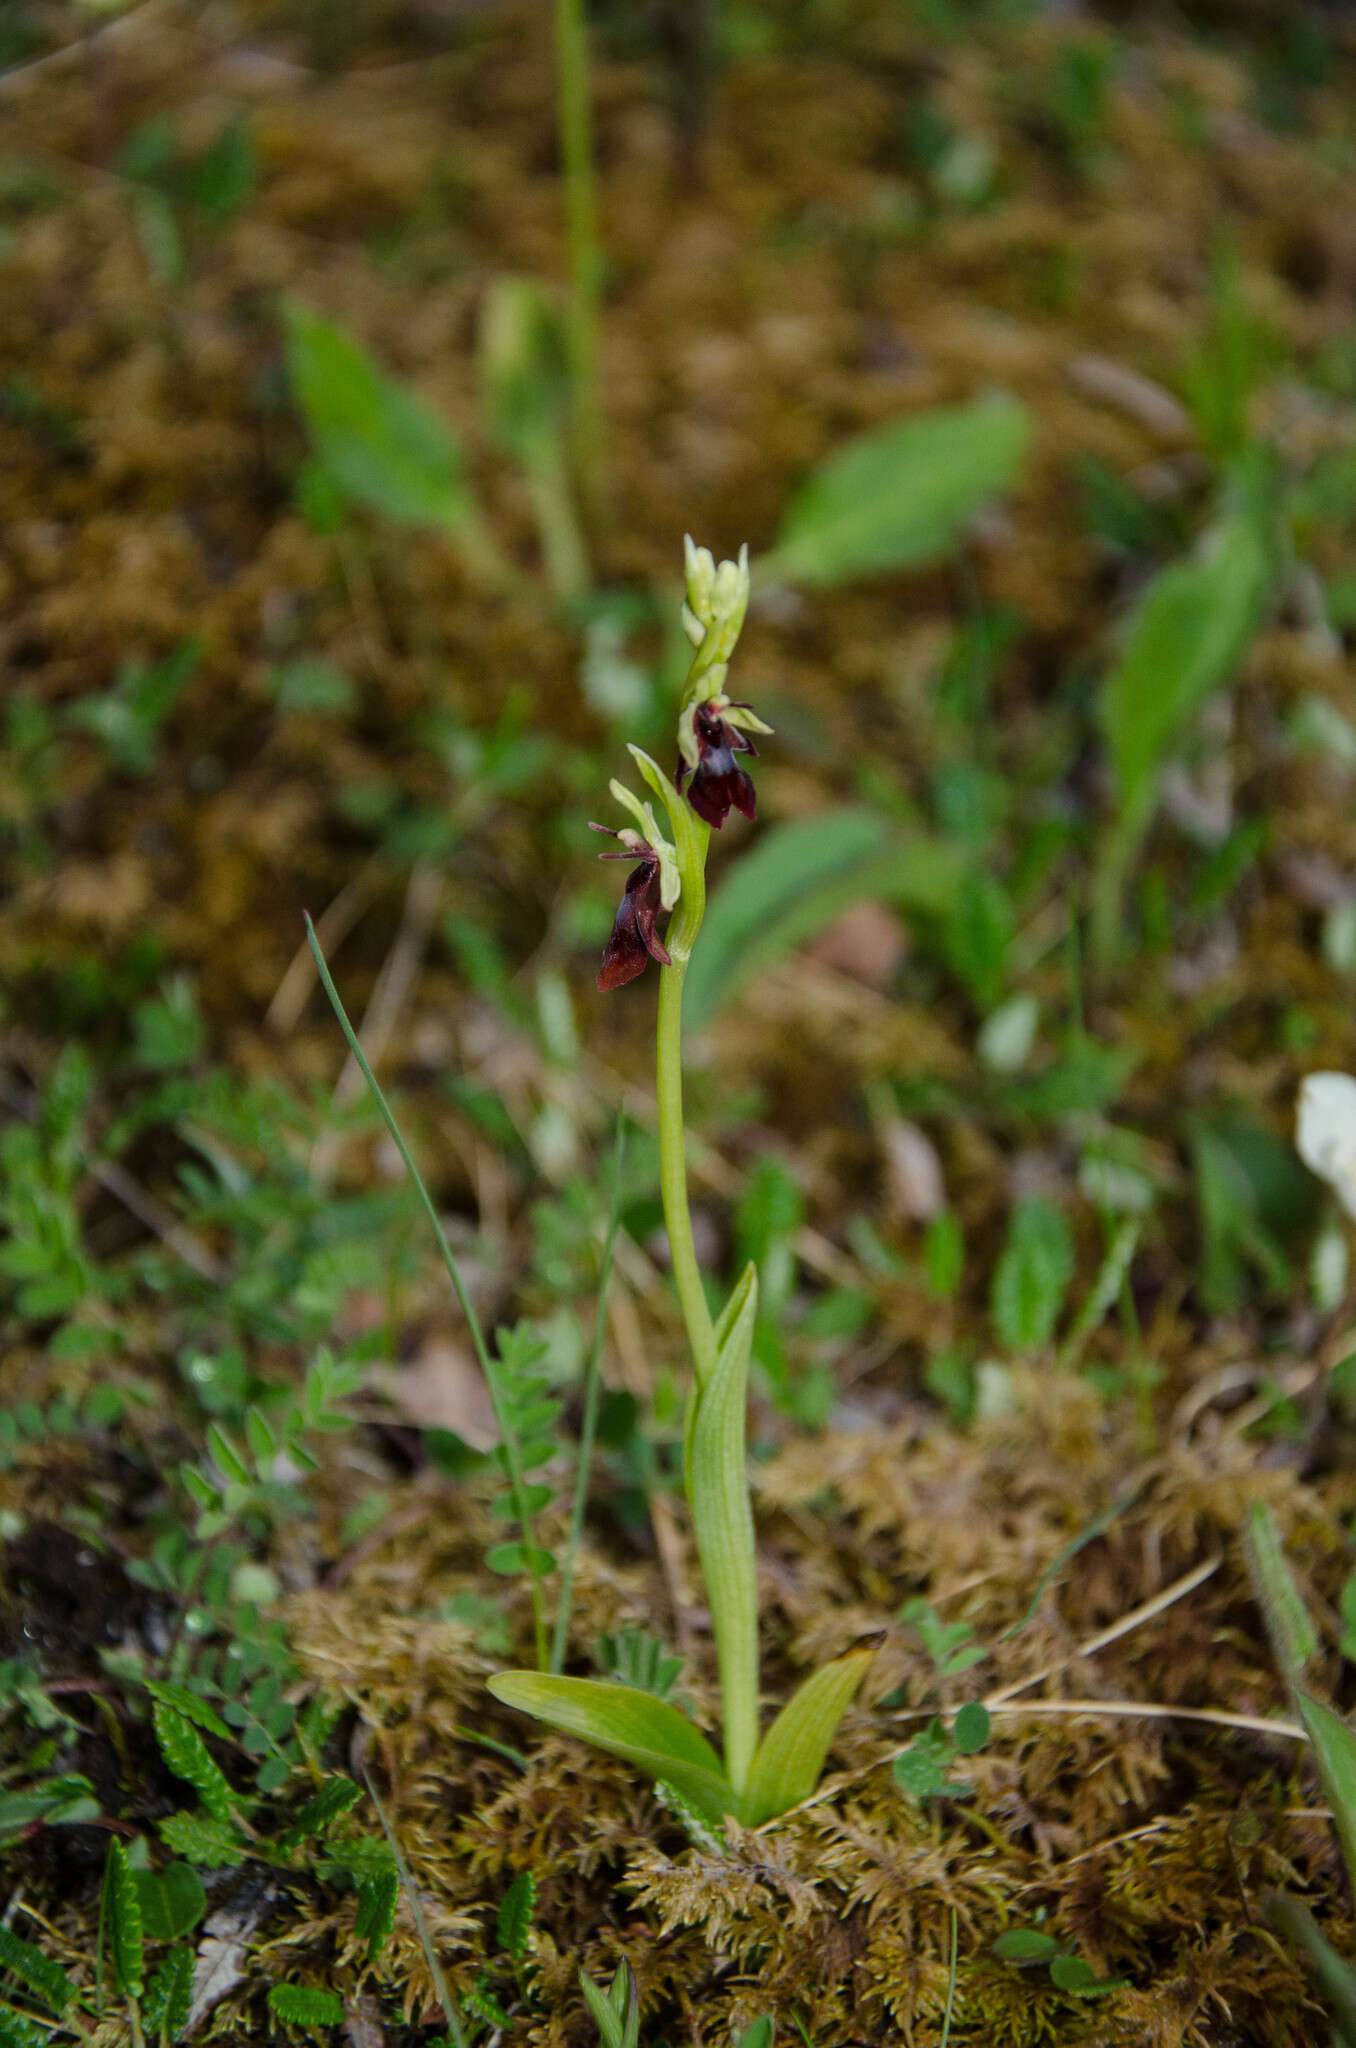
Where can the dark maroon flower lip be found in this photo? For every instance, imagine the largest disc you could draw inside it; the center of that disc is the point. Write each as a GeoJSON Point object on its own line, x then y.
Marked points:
{"type": "Point", "coordinates": [634, 940]}
{"type": "Point", "coordinates": [718, 781]}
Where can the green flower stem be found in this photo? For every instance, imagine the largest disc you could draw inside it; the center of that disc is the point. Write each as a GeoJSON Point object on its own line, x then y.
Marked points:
{"type": "Point", "coordinates": [693, 839]}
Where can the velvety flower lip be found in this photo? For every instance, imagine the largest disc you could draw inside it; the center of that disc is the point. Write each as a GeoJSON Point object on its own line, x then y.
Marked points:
{"type": "Point", "coordinates": [634, 940]}
{"type": "Point", "coordinates": [718, 781]}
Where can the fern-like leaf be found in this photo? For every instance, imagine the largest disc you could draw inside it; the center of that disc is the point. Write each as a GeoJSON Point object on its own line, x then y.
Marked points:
{"type": "Point", "coordinates": [169, 1995]}
{"type": "Point", "coordinates": [305, 2005]}
{"type": "Point", "coordinates": [122, 1922]}
{"type": "Point", "coordinates": [44, 1978]}
{"type": "Point", "coordinates": [516, 1909]}
{"type": "Point", "coordinates": [18, 2031]}
{"type": "Point", "coordinates": [335, 1796]}
{"type": "Point", "coordinates": [189, 1757]}
{"type": "Point", "coordinates": [377, 1896]}
{"type": "Point", "coordinates": [211, 1844]}
{"type": "Point", "coordinates": [187, 1703]}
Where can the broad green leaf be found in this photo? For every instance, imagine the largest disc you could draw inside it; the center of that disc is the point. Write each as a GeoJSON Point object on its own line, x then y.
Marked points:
{"type": "Point", "coordinates": [1334, 1744]}
{"type": "Point", "coordinates": [900, 495]}
{"type": "Point", "coordinates": [647, 1732]}
{"type": "Point", "coordinates": [1334, 1975]}
{"type": "Point", "coordinates": [970, 1729]}
{"type": "Point", "coordinates": [172, 1901]}
{"type": "Point", "coordinates": [122, 1922]}
{"type": "Point", "coordinates": [380, 442]}
{"type": "Point", "coordinates": [791, 1755]}
{"type": "Point", "coordinates": [1025, 1945]}
{"type": "Point", "coordinates": [616, 2012]}
{"type": "Point", "coordinates": [1033, 1275]}
{"type": "Point", "coordinates": [1293, 1637]}
{"type": "Point", "coordinates": [759, 2035]}
{"type": "Point", "coordinates": [797, 879]}
{"type": "Point", "coordinates": [1188, 634]}
{"type": "Point", "coordinates": [722, 1521]}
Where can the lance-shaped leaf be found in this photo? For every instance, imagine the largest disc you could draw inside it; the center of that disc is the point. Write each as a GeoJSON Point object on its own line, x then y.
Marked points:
{"type": "Point", "coordinates": [791, 1754]}
{"type": "Point", "coordinates": [1334, 1744]}
{"type": "Point", "coordinates": [647, 1732]}
{"type": "Point", "coordinates": [901, 494]}
{"type": "Point", "coordinates": [718, 1490]}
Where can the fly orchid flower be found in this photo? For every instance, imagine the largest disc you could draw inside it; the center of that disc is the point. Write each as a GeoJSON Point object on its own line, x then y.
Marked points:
{"type": "Point", "coordinates": [653, 885]}
{"type": "Point", "coordinates": [1325, 1133]}
{"type": "Point", "coordinates": [711, 728]}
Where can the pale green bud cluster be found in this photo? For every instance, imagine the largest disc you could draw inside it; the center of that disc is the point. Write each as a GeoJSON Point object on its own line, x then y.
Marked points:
{"type": "Point", "coordinates": [717, 599]}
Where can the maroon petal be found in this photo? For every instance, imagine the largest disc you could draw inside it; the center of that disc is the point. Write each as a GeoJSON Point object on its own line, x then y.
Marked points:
{"type": "Point", "coordinates": [634, 939]}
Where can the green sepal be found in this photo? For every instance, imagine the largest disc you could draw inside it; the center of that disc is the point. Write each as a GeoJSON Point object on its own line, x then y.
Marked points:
{"type": "Point", "coordinates": [718, 1490]}
{"type": "Point", "coordinates": [791, 1755]}
{"type": "Point", "coordinates": [647, 1732]}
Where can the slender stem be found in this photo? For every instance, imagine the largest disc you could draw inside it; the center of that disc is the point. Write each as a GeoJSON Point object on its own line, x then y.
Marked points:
{"type": "Point", "coordinates": [510, 1442]}
{"type": "Point", "coordinates": [593, 1387]}
{"type": "Point", "coordinates": [673, 1163]}
{"type": "Point", "coordinates": [583, 253]}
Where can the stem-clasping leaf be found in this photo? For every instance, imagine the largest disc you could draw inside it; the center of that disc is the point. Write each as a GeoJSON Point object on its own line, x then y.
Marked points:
{"type": "Point", "coordinates": [722, 1521]}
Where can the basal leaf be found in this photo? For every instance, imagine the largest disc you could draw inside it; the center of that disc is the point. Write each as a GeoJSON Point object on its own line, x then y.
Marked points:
{"type": "Point", "coordinates": [1032, 1277]}
{"type": "Point", "coordinates": [722, 1521]}
{"type": "Point", "coordinates": [380, 442]}
{"type": "Point", "coordinates": [791, 1755]}
{"type": "Point", "coordinates": [900, 495]}
{"type": "Point", "coordinates": [647, 1732]}
{"type": "Point", "coordinates": [1188, 633]}
{"type": "Point", "coordinates": [1293, 1637]}
{"type": "Point", "coordinates": [1334, 1743]}
{"type": "Point", "coordinates": [798, 878]}
{"type": "Point", "coordinates": [172, 1901]}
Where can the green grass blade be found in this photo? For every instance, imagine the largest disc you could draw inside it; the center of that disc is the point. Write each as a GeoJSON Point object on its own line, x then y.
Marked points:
{"type": "Point", "coordinates": [1293, 1637]}
{"type": "Point", "coordinates": [647, 1732]}
{"type": "Point", "coordinates": [791, 1755]}
{"type": "Point", "coordinates": [1334, 1743]}
{"type": "Point", "coordinates": [593, 1388]}
{"type": "Point", "coordinates": [464, 1302]}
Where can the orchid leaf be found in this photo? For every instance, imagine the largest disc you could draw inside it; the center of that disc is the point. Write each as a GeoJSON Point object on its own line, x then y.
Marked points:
{"type": "Point", "coordinates": [379, 441]}
{"type": "Point", "coordinates": [718, 1490]}
{"type": "Point", "coordinates": [1334, 1743]}
{"type": "Point", "coordinates": [791, 1755]}
{"type": "Point", "coordinates": [796, 880]}
{"type": "Point", "coordinates": [647, 1732]}
{"type": "Point", "coordinates": [901, 494]}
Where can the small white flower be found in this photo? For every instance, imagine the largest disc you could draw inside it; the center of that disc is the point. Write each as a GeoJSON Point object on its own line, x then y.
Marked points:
{"type": "Point", "coordinates": [1325, 1133]}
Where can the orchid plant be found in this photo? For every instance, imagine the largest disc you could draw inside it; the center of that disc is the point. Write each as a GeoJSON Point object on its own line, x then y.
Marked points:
{"type": "Point", "coordinates": [758, 1775]}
